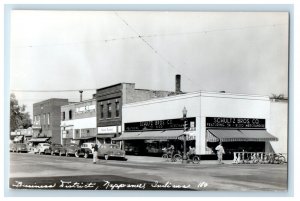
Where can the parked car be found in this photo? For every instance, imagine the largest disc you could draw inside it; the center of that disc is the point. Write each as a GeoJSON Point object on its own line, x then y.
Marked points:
{"type": "Point", "coordinates": [21, 147]}
{"type": "Point", "coordinates": [55, 149]}
{"type": "Point", "coordinates": [111, 151]}
{"type": "Point", "coordinates": [12, 147]}
{"type": "Point", "coordinates": [42, 148]}
{"type": "Point", "coordinates": [69, 149]}
{"type": "Point", "coordinates": [86, 150]}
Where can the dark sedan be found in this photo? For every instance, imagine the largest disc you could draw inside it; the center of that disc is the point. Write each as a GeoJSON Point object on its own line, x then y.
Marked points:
{"type": "Point", "coordinates": [56, 149]}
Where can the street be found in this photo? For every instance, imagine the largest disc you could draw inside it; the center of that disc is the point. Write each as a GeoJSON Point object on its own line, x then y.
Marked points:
{"type": "Point", "coordinates": [60, 172]}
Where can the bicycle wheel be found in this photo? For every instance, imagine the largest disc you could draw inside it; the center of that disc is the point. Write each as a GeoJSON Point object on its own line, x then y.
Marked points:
{"type": "Point", "coordinates": [177, 157]}
{"type": "Point", "coordinates": [196, 159]}
{"type": "Point", "coordinates": [165, 156]}
{"type": "Point", "coordinates": [281, 160]}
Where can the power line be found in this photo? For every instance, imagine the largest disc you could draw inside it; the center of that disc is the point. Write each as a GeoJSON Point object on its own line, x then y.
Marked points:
{"type": "Point", "coordinates": [150, 35]}
{"type": "Point", "coordinates": [46, 91]}
{"type": "Point", "coordinates": [151, 47]}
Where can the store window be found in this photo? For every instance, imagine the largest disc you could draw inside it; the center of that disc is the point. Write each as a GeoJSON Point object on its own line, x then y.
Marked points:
{"type": "Point", "coordinates": [109, 110]}
{"type": "Point", "coordinates": [117, 109]}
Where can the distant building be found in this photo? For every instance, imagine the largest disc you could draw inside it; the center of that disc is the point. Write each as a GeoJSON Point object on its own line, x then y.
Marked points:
{"type": "Point", "coordinates": [78, 122]}
{"type": "Point", "coordinates": [109, 107]}
{"type": "Point", "coordinates": [46, 120]}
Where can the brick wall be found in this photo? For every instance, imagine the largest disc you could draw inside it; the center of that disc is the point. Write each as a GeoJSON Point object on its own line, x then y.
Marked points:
{"type": "Point", "coordinates": [51, 107]}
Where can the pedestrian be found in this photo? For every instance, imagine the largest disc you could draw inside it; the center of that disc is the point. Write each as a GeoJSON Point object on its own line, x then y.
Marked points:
{"type": "Point", "coordinates": [95, 153]}
{"type": "Point", "coordinates": [220, 152]}
{"type": "Point", "coordinates": [171, 151]}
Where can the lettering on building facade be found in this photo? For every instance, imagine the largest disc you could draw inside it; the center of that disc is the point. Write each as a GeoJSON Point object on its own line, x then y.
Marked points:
{"type": "Point", "coordinates": [245, 123]}
{"type": "Point", "coordinates": [160, 124]}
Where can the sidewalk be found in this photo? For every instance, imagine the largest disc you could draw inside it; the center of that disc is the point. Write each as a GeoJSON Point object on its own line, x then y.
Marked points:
{"type": "Point", "coordinates": [151, 159]}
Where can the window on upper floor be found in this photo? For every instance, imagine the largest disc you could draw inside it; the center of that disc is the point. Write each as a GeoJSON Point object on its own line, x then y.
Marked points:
{"type": "Point", "coordinates": [117, 109]}
{"type": "Point", "coordinates": [108, 110]}
{"type": "Point", "coordinates": [101, 111]}
{"type": "Point", "coordinates": [70, 114]}
{"type": "Point", "coordinates": [63, 116]}
{"type": "Point", "coordinates": [48, 118]}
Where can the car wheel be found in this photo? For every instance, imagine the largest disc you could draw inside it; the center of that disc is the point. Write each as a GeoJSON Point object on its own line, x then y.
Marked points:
{"type": "Point", "coordinates": [86, 155]}
{"type": "Point", "coordinates": [40, 152]}
{"type": "Point", "coordinates": [106, 157]}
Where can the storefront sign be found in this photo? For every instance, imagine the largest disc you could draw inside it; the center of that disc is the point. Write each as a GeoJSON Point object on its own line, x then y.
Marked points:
{"type": "Point", "coordinates": [108, 129]}
{"type": "Point", "coordinates": [160, 124]}
{"type": "Point", "coordinates": [222, 122]}
{"type": "Point", "coordinates": [88, 108]}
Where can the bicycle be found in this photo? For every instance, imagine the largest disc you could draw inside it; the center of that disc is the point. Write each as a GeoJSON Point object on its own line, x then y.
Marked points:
{"type": "Point", "coordinates": [277, 158]}
{"type": "Point", "coordinates": [168, 155]}
{"type": "Point", "coordinates": [190, 157]}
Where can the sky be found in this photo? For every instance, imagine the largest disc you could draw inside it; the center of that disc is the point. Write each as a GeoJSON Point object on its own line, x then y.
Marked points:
{"type": "Point", "coordinates": [236, 52]}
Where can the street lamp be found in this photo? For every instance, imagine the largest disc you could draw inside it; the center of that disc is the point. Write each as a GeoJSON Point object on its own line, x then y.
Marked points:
{"type": "Point", "coordinates": [184, 157]}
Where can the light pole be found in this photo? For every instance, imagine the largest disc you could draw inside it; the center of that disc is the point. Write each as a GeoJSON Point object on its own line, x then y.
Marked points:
{"type": "Point", "coordinates": [184, 157]}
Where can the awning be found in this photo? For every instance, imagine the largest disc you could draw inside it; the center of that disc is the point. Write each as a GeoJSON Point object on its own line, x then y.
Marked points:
{"type": "Point", "coordinates": [18, 138]}
{"type": "Point", "coordinates": [38, 140]}
{"type": "Point", "coordinates": [85, 138]}
{"type": "Point", "coordinates": [150, 135]}
{"type": "Point", "coordinates": [106, 135]}
{"type": "Point", "coordinates": [233, 135]}
{"type": "Point", "coordinates": [259, 135]}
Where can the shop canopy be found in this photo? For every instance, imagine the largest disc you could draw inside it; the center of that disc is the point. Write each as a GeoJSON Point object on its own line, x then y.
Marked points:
{"type": "Point", "coordinates": [38, 140]}
{"type": "Point", "coordinates": [105, 135]}
{"type": "Point", "coordinates": [85, 138]}
{"type": "Point", "coordinates": [151, 135]}
{"type": "Point", "coordinates": [233, 135]}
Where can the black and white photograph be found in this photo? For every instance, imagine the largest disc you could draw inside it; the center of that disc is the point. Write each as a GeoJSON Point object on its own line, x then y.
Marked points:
{"type": "Point", "coordinates": [156, 100]}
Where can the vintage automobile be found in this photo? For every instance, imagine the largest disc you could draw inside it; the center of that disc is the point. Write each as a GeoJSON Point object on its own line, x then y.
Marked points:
{"type": "Point", "coordinates": [21, 147]}
{"type": "Point", "coordinates": [42, 148]}
{"type": "Point", "coordinates": [69, 150]}
{"type": "Point", "coordinates": [55, 149]}
{"type": "Point", "coordinates": [111, 151]}
{"type": "Point", "coordinates": [12, 147]}
{"type": "Point", "coordinates": [85, 150]}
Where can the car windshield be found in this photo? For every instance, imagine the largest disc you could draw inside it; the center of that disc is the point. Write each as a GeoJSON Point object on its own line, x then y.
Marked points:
{"type": "Point", "coordinates": [58, 145]}
{"type": "Point", "coordinates": [23, 145]}
{"type": "Point", "coordinates": [46, 144]}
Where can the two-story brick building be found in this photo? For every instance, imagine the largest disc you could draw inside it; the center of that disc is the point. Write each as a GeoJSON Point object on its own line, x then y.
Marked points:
{"type": "Point", "coordinates": [78, 122]}
{"type": "Point", "coordinates": [109, 107]}
{"type": "Point", "coordinates": [46, 120]}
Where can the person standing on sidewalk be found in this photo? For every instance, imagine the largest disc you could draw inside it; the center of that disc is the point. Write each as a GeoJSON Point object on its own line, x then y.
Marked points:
{"type": "Point", "coordinates": [220, 152]}
{"type": "Point", "coordinates": [95, 153]}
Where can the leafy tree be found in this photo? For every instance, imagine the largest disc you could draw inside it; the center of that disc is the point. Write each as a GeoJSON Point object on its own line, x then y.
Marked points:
{"type": "Point", "coordinates": [18, 117]}
{"type": "Point", "coordinates": [279, 96]}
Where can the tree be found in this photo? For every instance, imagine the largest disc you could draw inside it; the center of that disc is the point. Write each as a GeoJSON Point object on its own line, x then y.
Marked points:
{"type": "Point", "coordinates": [279, 96]}
{"type": "Point", "coordinates": [18, 117]}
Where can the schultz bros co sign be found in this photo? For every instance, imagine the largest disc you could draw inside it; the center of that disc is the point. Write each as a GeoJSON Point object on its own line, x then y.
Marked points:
{"type": "Point", "coordinates": [222, 122]}
{"type": "Point", "coordinates": [160, 124]}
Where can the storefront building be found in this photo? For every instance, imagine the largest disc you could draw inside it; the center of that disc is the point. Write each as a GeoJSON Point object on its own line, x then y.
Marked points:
{"type": "Point", "coordinates": [78, 122]}
{"type": "Point", "coordinates": [46, 121]}
{"type": "Point", "coordinates": [241, 122]}
{"type": "Point", "coordinates": [109, 107]}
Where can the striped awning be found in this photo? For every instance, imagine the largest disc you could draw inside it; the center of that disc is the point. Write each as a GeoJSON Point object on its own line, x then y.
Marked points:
{"type": "Point", "coordinates": [150, 135]}
{"type": "Point", "coordinates": [233, 135]}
